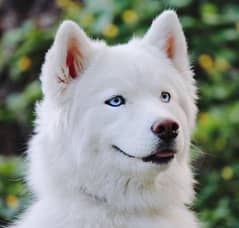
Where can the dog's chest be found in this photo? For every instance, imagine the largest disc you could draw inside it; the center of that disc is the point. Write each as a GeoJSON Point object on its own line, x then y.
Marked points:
{"type": "Point", "coordinates": [119, 222]}
{"type": "Point", "coordinates": [100, 218]}
{"type": "Point", "coordinates": [52, 215]}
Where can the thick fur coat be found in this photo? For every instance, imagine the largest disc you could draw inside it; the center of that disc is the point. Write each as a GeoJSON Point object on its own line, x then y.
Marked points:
{"type": "Point", "coordinates": [86, 166]}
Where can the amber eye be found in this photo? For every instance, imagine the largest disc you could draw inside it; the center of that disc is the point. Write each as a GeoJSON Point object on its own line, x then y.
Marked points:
{"type": "Point", "coordinates": [115, 101]}
{"type": "Point", "coordinates": [165, 97]}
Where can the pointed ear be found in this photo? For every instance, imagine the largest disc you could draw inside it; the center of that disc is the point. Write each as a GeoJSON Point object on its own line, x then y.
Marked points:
{"type": "Point", "coordinates": [66, 60]}
{"type": "Point", "coordinates": [167, 35]}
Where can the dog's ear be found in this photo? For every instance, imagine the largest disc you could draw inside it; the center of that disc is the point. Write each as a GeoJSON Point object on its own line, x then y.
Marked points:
{"type": "Point", "coordinates": [167, 35]}
{"type": "Point", "coordinates": [66, 60]}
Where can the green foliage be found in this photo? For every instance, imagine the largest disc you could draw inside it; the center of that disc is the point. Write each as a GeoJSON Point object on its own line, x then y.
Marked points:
{"type": "Point", "coordinates": [212, 30]}
{"type": "Point", "coordinates": [13, 196]}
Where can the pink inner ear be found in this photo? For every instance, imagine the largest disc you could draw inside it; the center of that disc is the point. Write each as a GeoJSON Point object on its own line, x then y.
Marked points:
{"type": "Point", "coordinates": [170, 46]}
{"type": "Point", "coordinates": [70, 62]}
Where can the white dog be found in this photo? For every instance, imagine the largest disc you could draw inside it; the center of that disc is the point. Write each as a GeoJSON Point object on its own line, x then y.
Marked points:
{"type": "Point", "coordinates": [112, 136]}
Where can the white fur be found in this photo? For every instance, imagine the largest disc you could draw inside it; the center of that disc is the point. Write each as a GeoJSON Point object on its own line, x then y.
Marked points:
{"type": "Point", "coordinates": [79, 180]}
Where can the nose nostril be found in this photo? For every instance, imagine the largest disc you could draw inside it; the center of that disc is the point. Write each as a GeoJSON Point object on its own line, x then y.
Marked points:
{"type": "Point", "coordinates": [160, 129]}
{"type": "Point", "coordinates": [175, 126]}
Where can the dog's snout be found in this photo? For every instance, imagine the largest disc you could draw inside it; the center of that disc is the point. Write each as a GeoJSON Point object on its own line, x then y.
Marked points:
{"type": "Point", "coordinates": [167, 129]}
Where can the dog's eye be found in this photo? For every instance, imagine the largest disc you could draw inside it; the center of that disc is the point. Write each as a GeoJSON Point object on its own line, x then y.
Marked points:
{"type": "Point", "coordinates": [115, 101]}
{"type": "Point", "coordinates": [165, 97]}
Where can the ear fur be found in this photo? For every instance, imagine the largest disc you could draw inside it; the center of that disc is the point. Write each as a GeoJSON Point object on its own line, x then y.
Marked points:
{"type": "Point", "coordinates": [167, 35]}
{"type": "Point", "coordinates": [66, 60]}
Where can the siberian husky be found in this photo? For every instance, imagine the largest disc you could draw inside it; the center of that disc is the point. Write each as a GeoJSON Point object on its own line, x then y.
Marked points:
{"type": "Point", "coordinates": [112, 133]}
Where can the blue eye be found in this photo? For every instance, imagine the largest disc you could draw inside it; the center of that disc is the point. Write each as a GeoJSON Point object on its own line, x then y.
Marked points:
{"type": "Point", "coordinates": [165, 97]}
{"type": "Point", "coordinates": [115, 101]}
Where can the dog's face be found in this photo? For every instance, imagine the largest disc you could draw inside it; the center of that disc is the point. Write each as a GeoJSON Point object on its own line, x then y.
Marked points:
{"type": "Point", "coordinates": [135, 112]}
{"type": "Point", "coordinates": [127, 108]}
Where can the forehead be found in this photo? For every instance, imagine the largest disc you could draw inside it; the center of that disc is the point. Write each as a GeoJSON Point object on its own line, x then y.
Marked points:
{"type": "Point", "coordinates": [130, 67]}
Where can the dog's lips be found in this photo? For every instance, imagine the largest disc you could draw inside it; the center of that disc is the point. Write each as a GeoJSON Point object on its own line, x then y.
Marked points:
{"type": "Point", "coordinates": [164, 154]}
{"type": "Point", "coordinates": [121, 151]}
{"type": "Point", "coordinates": [160, 157]}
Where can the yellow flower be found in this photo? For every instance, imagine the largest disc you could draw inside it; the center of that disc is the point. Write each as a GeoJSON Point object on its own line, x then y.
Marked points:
{"type": "Point", "coordinates": [237, 26]}
{"type": "Point", "coordinates": [205, 61]}
{"type": "Point", "coordinates": [24, 63]}
{"type": "Point", "coordinates": [73, 6]}
{"type": "Point", "coordinates": [227, 173]}
{"type": "Point", "coordinates": [203, 118]}
{"type": "Point", "coordinates": [221, 64]}
{"type": "Point", "coordinates": [110, 31]}
{"type": "Point", "coordinates": [62, 3]}
{"type": "Point", "coordinates": [129, 16]}
{"type": "Point", "coordinates": [12, 201]}
{"type": "Point", "coordinates": [68, 4]}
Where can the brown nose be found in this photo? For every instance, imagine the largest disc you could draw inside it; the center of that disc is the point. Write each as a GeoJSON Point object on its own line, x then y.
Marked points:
{"type": "Point", "coordinates": [166, 129]}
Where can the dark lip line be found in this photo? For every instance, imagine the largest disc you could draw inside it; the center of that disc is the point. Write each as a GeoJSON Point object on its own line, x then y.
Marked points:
{"type": "Point", "coordinates": [121, 151]}
{"type": "Point", "coordinates": [145, 159]}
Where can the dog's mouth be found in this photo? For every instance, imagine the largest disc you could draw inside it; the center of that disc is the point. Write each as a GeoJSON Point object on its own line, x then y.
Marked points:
{"type": "Point", "coordinates": [163, 156]}
{"type": "Point", "coordinates": [160, 157]}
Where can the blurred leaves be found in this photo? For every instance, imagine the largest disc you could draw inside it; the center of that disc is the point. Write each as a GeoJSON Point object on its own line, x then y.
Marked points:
{"type": "Point", "coordinates": [13, 196]}
{"type": "Point", "coordinates": [212, 30]}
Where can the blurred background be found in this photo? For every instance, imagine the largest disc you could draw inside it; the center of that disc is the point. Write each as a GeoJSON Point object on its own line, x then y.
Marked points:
{"type": "Point", "coordinates": [212, 28]}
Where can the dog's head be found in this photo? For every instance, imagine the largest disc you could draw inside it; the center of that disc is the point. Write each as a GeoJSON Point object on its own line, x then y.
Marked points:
{"type": "Point", "coordinates": [116, 114]}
